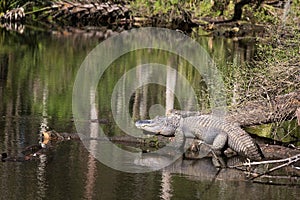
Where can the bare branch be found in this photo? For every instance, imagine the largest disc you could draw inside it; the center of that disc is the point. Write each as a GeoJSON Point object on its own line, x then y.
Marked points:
{"type": "Point", "coordinates": [288, 160]}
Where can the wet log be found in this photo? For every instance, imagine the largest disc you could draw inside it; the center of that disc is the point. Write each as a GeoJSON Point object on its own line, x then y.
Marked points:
{"type": "Point", "coordinates": [237, 168]}
{"type": "Point", "coordinates": [53, 136]}
{"type": "Point", "coordinates": [204, 170]}
{"type": "Point", "coordinates": [49, 140]}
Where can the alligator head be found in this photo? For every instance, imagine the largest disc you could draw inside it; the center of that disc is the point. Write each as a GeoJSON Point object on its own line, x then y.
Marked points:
{"type": "Point", "coordinates": [160, 125]}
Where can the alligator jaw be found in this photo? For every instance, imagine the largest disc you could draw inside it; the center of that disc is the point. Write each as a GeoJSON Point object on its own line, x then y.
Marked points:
{"type": "Point", "coordinates": [148, 125]}
{"type": "Point", "coordinates": [158, 125]}
{"type": "Point", "coordinates": [142, 123]}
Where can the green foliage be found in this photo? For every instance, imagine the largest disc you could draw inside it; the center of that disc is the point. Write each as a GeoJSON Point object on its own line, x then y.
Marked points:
{"type": "Point", "coordinates": [264, 14]}
{"type": "Point", "coordinates": [37, 63]}
{"type": "Point", "coordinates": [149, 8]}
{"type": "Point", "coordinates": [9, 4]}
{"type": "Point", "coordinates": [6, 5]}
{"type": "Point", "coordinates": [296, 10]}
{"type": "Point", "coordinates": [204, 8]}
{"type": "Point", "coordinates": [286, 131]}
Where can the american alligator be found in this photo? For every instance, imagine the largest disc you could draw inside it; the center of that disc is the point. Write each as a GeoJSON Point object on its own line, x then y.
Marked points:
{"type": "Point", "coordinates": [211, 130]}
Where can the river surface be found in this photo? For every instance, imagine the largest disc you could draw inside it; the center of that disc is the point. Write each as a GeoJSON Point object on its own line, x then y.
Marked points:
{"type": "Point", "coordinates": [37, 74]}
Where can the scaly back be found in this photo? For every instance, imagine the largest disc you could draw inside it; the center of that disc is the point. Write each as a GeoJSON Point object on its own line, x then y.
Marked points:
{"type": "Point", "coordinates": [238, 139]}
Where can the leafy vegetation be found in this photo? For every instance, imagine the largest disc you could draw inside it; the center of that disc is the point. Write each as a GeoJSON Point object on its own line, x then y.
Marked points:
{"type": "Point", "coordinates": [6, 5]}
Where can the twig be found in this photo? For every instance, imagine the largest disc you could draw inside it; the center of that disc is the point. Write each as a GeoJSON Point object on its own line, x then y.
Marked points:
{"type": "Point", "coordinates": [287, 162]}
{"type": "Point", "coordinates": [298, 115]}
{"type": "Point", "coordinates": [270, 180]}
{"type": "Point", "coordinates": [39, 10]}
{"type": "Point", "coordinates": [291, 160]}
{"type": "Point", "coordinates": [293, 146]}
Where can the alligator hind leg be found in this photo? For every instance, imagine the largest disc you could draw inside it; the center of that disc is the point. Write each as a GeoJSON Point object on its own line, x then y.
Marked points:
{"type": "Point", "coordinates": [220, 141]}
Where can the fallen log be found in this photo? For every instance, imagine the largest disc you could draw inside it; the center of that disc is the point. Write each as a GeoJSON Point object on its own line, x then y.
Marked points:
{"type": "Point", "coordinates": [71, 12]}
{"type": "Point", "coordinates": [50, 139]}
{"type": "Point", "coordinates": [279, 109]}
{"type": "Point", "coordinates": [85, 12]}
{"type": "Point", "coordinates": [204, 170]}
{"type": "Point", "coordinates": [237, 167]}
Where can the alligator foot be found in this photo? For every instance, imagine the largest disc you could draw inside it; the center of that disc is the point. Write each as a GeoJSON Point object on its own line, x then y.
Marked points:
{"type": "Point", "coordinates": [203, 149]}
{"type": "Point", "coordinates": [218, 162]}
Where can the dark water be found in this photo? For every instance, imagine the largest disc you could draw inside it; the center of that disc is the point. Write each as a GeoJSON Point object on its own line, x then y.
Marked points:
{"type": "Point", "coordinates": [37, 73]}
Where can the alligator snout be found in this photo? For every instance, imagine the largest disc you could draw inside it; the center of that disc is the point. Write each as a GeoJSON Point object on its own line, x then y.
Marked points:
{"type": "Point", "coordinates": [142, 123]}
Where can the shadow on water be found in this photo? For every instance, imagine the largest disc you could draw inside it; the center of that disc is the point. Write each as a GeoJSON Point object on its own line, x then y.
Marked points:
{"type": "Point", "coordinates": [37, 72]}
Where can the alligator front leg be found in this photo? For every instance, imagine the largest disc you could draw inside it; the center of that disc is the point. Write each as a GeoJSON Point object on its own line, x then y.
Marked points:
{"type": "Point", "coordinates": [200, 149]}
{"type": "Point", "coordinates": [179, 140]}
{"type": "Point", "coordinates": [185, 143]}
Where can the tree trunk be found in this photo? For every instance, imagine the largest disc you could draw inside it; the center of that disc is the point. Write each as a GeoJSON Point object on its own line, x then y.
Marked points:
{"type": "Point", "coordinates": [238, 9]}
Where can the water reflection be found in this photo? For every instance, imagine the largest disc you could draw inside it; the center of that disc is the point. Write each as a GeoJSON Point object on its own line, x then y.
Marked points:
{"type": "Point", "coordinates": [166, 193]}
{"type": "Point", "coordinates": [41, 168]}
{"type": "Point", "coordinates": [91, 165]}
{"type": "Point", "coordinates": [41, 172]}
{"type": "Point", "coordinates": [166, 185]}
{"type": "Point", "coordinates": [37, 71]}
{"type": "Point", "coordinates": [91, 177]}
